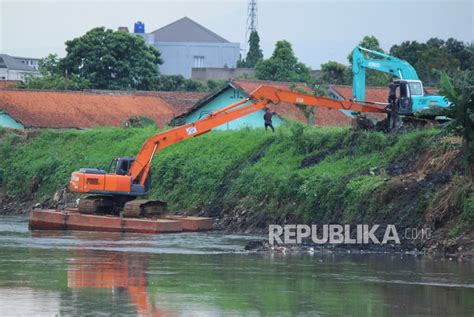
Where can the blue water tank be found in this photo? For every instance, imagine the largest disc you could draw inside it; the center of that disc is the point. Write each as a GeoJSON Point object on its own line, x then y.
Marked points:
{"type": "Point", "coordinates": [139, 27]}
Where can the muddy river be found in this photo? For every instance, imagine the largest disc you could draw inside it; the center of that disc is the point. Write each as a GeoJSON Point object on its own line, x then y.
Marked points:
{"type": "Point", "coordinates": [209, 274]}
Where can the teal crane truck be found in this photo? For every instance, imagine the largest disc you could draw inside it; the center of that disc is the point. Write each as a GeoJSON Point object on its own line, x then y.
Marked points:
{"type": "Point", "coordinates": [412, 96]}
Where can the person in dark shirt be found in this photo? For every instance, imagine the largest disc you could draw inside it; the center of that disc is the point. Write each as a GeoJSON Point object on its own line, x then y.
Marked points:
{"type": "Point", "coordinates": [393, 107]}
{"type": "Point", "coordinates": [392, 92]}
{"type": "Point", "coordinates": [267, 117]}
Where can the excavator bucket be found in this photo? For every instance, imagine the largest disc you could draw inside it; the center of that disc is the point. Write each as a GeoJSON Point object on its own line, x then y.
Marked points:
{"type": "Point", "coordinates": [139, 208]}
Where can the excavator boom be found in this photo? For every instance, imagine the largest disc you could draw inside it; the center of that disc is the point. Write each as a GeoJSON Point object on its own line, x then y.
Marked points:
{"type": "Point", "coordinates": [363, 59]}
{"type": "Point", "coordinates": [132, 179]}
{"type": "Point", "coordinates": [260, 98]}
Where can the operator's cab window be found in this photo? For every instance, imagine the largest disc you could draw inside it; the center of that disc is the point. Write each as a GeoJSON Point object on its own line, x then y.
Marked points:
{"type": "Point", "coordinates": [415, 89]}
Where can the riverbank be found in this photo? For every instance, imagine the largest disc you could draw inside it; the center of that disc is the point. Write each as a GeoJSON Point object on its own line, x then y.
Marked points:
{"type": "Point", "coordinates": [249, 179]}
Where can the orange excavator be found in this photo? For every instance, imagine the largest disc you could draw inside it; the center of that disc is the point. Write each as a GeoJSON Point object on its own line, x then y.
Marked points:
{"type": "Point", "coordinates": [129, 178]}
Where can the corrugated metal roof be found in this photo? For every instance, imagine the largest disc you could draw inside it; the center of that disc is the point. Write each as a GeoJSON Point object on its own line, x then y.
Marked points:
{"type": "Point", "coordinates": [186, 30]}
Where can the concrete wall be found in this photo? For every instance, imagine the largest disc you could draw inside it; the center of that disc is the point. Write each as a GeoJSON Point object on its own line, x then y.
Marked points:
{"type": "Point", "coordinates": [228, 97]}
{"type": "Point", "coordinates": [178, 57]}
{"type": "Point", "coordinates": [8, 74]}
{"type": "Point", "coordinates": [222, 73]}
{"type": "Point", "coordinates": [6, 121]}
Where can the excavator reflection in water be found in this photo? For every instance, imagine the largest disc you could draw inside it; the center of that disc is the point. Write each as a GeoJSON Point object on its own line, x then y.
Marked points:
{"type": "Point", "coordinates": [115, 271]}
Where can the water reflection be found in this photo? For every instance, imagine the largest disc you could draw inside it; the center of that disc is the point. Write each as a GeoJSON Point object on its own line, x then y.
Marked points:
{"type": "Point", "coordinates": [207, 274]}
{"type": "Point", "coordinates": [115, 271]}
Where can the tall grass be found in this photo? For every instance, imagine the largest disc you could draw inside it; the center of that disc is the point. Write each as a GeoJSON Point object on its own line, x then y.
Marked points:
{"type": "Point", "coordinates": [224, 171]}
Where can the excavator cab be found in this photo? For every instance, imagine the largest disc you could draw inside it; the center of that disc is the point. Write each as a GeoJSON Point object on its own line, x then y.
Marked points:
{"type": "Point", "coordinates": [116, 182]}
{"type": "Point", "coordinates": [404, 100]}
{"type": "Point", "coordinates": [121, 165]}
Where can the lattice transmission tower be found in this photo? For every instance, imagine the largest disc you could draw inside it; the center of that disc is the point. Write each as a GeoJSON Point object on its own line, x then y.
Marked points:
{"type": "Point", "coordinates": [252, 19]}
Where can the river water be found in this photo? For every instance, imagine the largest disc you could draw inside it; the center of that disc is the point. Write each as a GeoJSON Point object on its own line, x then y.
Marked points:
{"type": "Point", "coordinates": [208, 274]}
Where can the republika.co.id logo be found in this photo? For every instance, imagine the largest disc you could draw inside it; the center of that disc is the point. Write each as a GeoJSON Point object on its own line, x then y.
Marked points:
{"type": "Point", "coordinates": [343, 234]}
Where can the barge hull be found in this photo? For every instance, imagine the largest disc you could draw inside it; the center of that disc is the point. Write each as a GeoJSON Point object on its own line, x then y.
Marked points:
{"type": "Point", "coordinates": [48, 219]}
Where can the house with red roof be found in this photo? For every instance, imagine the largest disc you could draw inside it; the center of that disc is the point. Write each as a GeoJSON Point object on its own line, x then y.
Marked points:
{"type": "Point", "coordinates": [66, 109]}
{"type": "Point", "coordinates": [239, 89]}
{"type": "Point", "coordinates": [95, 108]}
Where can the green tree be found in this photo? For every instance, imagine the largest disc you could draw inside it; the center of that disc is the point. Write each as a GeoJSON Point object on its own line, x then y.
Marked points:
{"type": "Point", "coordinates": [409, 51]}
{"type": "Point", "coordinates": [216, 84]}
{"type": "Point", "coordinates": [435, 55]}
{"type": "Point", "coordinates": [179, 83]}
{"type": "Point", "coordinates": [369, 42]}
{"type": "Point", "coordinates": [112, 60]}
{"type": "Point", "coordinates": [307, 111]}
{"type": "Point", "coordinates": [49, 65]}
{"type": "Point", "coordinates": [459, 90]}
{"type": "Point", "coordinates": [464, 53]}
{"type": "Point", "coordinates": [335, 73]}
{"type": "Point", "coordinates": [434, 58]}
{"type": "Point", "coordinates": [255, 53]}
{"type": "Point", "coordinates": [282, 65]}
{"type": "Point", "coordinates": [52, 77]}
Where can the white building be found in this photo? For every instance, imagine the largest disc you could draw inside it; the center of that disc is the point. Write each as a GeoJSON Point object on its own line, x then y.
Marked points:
{"type": "Point", "coordinates": [32, 62]}
{"type": "Point", "coordinates": [13, 69]}
{"type": "Point", "coordinates": [185, 44]}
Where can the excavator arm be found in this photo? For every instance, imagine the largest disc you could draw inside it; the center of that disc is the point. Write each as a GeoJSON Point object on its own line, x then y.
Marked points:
{"type": "Point", "coordinates": [134, 182]}
{"type": "Point", "coordinates": [383, 63]}
{"type": "Point", "coordinates": [259, 98]}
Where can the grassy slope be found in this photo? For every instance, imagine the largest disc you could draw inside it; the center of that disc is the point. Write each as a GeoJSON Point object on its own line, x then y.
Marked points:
{"type": "Point", "coordinates": [260, 175]}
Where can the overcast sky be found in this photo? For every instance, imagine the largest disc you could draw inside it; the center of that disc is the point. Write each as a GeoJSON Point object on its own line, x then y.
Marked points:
{"type": "Point", "coordinates": [319, 30]}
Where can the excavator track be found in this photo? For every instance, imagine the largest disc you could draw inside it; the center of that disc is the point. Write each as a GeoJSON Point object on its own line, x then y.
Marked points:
{"type": "Point", "coordinates": [412, 122]}
{"type": "Point", "coordinates": [361, 122]}
{"type": "Point", "coordinates": [140, 208]}
{"type": "Point", "coordinates": [96, 205]}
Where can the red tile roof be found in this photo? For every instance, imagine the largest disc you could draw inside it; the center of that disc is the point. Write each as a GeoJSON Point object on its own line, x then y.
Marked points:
{"type": "Point", "coordinates": [8, 83]}
{"type": "Point", "coordinates": [323, 116]}
{"type": "Point", "coordinates": [181, 101]}
{"type": "Point", "coordinates": [375, 94]}
{"type": "Point", "coordinates": [250, 85]}
{"type": "Point", "coordinates": [53, 109]}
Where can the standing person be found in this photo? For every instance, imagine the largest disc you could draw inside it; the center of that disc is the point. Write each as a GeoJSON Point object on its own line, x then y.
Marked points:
{"type": "Point", "coordinates": [268, 120]}
{"type": "Point", "coordinates": [392, 92]}
{"type": "Point", "coordinates": [393, 105]}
